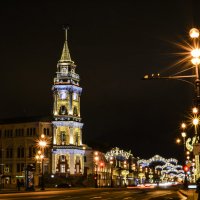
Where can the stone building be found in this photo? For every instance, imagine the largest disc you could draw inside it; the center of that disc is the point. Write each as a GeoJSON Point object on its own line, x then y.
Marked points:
{"type": "Point", "coordinates": [18, 146]}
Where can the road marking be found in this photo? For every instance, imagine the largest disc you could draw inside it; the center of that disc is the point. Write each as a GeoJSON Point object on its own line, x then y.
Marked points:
{"type": "Point", "coordinates": [128, 198]}
{"type": "Point", "coordinates": [96, 198]}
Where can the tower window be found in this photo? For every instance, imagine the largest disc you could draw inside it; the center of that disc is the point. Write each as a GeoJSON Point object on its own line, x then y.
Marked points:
{"type": "Point", "coordinates": [62, 168]}
{"type": "Point", "coordinates": [76, 139]}
{"type": "Point", "coordinates": [62, 158]}
{"type": "Point", "coordinates": [64, 70]}
{"type": "Point", "coordinates": [63, 137]}
{"type": "Point", "coordinates": [75, 112]}
{"type": "Point", "coordinates": [63, 110]}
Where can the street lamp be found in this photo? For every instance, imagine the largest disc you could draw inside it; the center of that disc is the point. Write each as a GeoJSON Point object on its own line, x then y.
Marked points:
{"type": "Point", "coordinates": [111, 173]}
{"type": "Point", "coordinates": [183, 134]}
{"type": "Point", "coordinates": [42, 144]}
{"type": "Point", "coordinates": [178, 140]}
{"type": "Point", "coordinates": [194, 33]}
{"type": "Point", "coordinates": [96, 159]}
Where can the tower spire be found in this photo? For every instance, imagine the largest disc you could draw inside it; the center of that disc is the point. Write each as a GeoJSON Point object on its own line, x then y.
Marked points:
{"type": "Point", "coordinates": [66, 29]}
{"type": "Point", "coordinates": [65, 53]}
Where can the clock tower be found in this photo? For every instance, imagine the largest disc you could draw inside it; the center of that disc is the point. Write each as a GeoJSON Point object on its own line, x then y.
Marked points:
{"type": "Point", "coordinates": [67, 152]}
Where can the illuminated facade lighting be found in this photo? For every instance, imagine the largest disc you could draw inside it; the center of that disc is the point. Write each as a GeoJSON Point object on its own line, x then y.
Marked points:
{"type": "Point", "coordinates": [68, 150]}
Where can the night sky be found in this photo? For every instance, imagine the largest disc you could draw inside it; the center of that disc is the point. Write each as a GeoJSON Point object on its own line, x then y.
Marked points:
{"type": "Point", "coordinates": [114, 44]}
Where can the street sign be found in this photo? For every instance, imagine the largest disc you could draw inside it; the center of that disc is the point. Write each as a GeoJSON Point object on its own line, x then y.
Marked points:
{"type": "Point", "coordinates": [196, 149]}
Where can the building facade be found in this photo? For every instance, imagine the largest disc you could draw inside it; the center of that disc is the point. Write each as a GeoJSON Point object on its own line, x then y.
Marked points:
{"type": "Point", "coordinates": [18, 147]}
{"type": "Point", "coordinates": [68, 151]}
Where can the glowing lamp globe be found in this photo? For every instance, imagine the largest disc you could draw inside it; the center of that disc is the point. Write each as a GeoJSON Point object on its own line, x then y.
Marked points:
{"type": "Point", "coordinates": [195, 121]}
{"type": "Point", "coordinates": [183, 125]}
{"type": "Point", "coordinates": [195, 53]}
{"type": "Point", "coordinates": [194, 33]}
{"type": "Point", "coordinates": [195, 61]}
{"type": "Point", "coordinates": [183, 134]}
{"type": "Point", "coordinates": [194, 110]}
{"type": "Point", "coordinates": [178, 141]}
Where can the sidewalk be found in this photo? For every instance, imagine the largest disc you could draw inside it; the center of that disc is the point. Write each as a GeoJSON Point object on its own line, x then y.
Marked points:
{"type": "Point", "coordinates": [190, 194]}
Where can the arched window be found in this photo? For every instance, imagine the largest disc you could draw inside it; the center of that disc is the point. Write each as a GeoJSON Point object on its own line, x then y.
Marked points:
{"type": "Point", "coordinates": [63, 110]}
{"type": "Point", "coordinates": [76, 139]}
{"type": "Point", "coordinates": [63, 137]}
{"type": "Point", "coordinates": [75, 111]}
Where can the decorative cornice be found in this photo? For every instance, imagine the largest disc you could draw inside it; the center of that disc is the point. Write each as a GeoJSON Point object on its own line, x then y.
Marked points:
{"type": "Point", "coordinates": [71, 124]}
{"type": "Point", "coordinates": [70, 151]}
{"type": "Point", "coordinates": [70, 88]}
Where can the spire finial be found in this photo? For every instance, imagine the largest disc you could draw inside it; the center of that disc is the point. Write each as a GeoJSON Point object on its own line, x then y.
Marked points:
{"type": "Point", "coordinates": [66, 28]}
{"type": "Point", "coordinates": [65, 53]}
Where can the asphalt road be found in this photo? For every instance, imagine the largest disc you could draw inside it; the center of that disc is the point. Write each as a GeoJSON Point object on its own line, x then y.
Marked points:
{"type": "Point", "coordinates": [98, 193]}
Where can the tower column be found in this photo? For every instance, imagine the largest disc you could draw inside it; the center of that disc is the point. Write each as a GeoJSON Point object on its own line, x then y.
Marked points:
{"type": "Point", "coordinates": [80, 137]}
{"type": "Point", "coordinates": [53, 164]}
{"type": "Point", "coordinates": [70, 103]}
{"type": "Point", "coordinates": [71, 136]}
{"type": "Point", "coordinates": [72, 164]}
{"type": "Point", "coordinates": [54, 134]}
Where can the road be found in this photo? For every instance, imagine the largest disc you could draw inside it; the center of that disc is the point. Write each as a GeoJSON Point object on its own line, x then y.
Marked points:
{"type": "Point", "coordinates": [97, 194]}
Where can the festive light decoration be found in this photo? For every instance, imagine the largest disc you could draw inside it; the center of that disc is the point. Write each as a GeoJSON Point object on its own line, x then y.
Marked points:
{"type": "Point", "coordinates": [157, 158]}
{"type": "Point", "coordinates": [167, 167]}
{"type": "Point", "coordinates": [118, 153]}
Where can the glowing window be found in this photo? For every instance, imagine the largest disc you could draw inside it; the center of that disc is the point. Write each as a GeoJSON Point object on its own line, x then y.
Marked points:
{"type": "Point", "coordinates": [62, 168]}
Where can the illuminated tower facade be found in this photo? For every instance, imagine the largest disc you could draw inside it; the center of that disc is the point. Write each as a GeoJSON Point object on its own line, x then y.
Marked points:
{"type": "Point", "coordinates": [67, 153]}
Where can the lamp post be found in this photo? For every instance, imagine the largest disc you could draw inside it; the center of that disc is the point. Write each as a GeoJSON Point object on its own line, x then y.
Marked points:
{"type": "Point", "coordinates": [111, 172]}
{"type": "Point", "coordinates": [96, 159]}
{"type": "Point", "coordinates": [183, 134]}
{"type": "Point", "coordinates": [178, 140]}
{"type": "Point", "coordinates": [42, 144]}
{"type": "Point", "coordinates": [39, 157]}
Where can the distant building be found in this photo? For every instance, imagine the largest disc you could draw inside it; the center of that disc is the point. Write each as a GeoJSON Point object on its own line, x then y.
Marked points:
{"type": "Point", "coordinates": [17, 146]}
{"type": "Point", "coordinates": [97, 168]}
{"type": "Point", "coordinates": [68, 151]}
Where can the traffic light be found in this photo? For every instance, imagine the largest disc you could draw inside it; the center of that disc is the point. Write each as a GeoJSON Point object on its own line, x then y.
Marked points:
{"type": "Point", "coordinates": [185, 168]}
